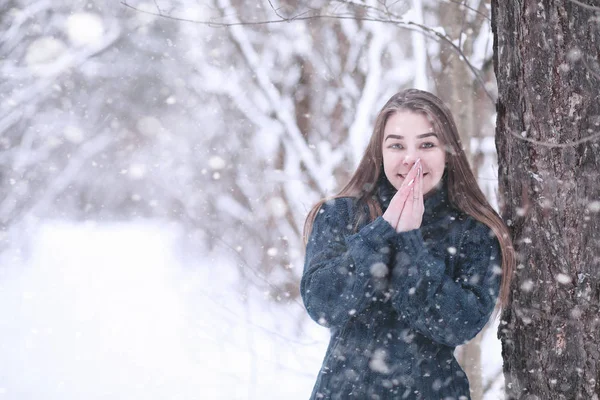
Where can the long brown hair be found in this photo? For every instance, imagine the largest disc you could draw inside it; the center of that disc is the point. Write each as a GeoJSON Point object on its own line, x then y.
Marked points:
{"type": "Point", "coordinates": [463, 191]}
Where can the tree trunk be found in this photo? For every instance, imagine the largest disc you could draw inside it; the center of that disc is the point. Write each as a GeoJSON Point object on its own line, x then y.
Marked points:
{"type": "Point", "coordinates": [457, 87]}
{"type": "Point", "coordinates": [456, 82]}
{"type": "Point", "coordinates": [545, 58]}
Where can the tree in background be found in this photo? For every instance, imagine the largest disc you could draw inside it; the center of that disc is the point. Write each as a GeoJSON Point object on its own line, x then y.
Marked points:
{"type": "Point", "coordinates": [546, 62]}
{"type": "Point", "coordinates": [338, 64]}
{"type": "Point", "coordinates": [233, 132]}
{"type": "Point", "coordinates": [38, 163]}
{"type": "Point", "coordinates": [472, 108]}
{"type": "Point", "coordinates": [81, 111]}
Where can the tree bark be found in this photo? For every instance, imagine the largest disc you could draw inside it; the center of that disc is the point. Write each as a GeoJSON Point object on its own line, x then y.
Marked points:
{"type": "Point", "coordinates": [545, 58]}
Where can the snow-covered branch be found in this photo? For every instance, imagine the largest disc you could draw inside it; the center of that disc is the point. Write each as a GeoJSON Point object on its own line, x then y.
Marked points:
{"type": "Point", "coordinates": [281, 107]}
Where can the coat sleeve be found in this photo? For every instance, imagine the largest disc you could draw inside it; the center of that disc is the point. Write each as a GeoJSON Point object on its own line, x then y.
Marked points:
{"type": "Point", "coordinates": [448, 310]}
{"type": "Point", "coordinates": [342, 269]}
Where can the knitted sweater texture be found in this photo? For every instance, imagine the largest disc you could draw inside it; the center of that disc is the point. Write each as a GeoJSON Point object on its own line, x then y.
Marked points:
{"type": "Point", "coordinates": [397, 304]}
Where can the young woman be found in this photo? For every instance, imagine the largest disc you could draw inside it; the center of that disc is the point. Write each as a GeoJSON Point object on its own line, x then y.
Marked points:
{"type": "Point", "coordinates": [406, 262]}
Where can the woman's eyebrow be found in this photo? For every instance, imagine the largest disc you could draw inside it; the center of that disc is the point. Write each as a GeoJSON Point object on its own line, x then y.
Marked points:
{"type": "Point", "coordinates": [424, 135]}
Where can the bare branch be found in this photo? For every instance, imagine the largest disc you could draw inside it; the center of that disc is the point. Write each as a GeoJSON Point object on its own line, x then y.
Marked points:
{"type": "Point", "coordinates": [401, 24]}
{"type": "Point", "coordinates": [464, 5]}
{"type": "Point", "coordinates": [464, 57]}
{"type": "Point", "coordinates": [462, 30]}
{"type": "Point", "coordinates": [590, 69]}
{"type": "Point", "coordinates": [8, 40]}
{"type": "Point", "coordinates": [276, 10]}
{"type": "Point", "coordinates": [209, 23]}
{"type": "Point", "coordinates": [157, 7]}
{"type": "Point", "coordinates": [587, 6]}
{"type": "Point", "coordinates": [68, 174]}
{"type": "Point", "coordinates": [274, 97]}
{"type": "Point", "coordinates": [561, 145]}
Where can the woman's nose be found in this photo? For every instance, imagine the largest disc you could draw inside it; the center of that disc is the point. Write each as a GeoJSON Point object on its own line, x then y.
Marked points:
{"type": "Point", "coordinates": [409, 159]}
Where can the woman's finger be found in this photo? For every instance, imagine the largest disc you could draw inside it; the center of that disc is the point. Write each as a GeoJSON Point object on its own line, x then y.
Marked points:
{"type": "Point", "coordinates": [414, 194]}
{"type": "Point", "coordinates": [421, 194]}
{"type": "Point", "coordinates": [402, 201]}
{"type": "Point", "coordinates": [404, 190]}
{"type": "Point", "coordinates": [399, 199]}
{"type": "Point", "coordinates": [420, 187]}
{"type": "Point", "coordinates": [408, 218]}
{"type": "Point", "coordinates": [415, 191]}
{"type": "Point", "coordinates": [410, 200]}
{"type": "Point", "coordinates": [396, 206]}
{"type": "Point", "coordinates": [392, 214]}
{"type": "Point", "coordinates": [412, 174]}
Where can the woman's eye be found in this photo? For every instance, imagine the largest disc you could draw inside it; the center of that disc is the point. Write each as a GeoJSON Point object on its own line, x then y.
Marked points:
{"type": "Point", "coordinates": [396, 146]}
{"type": "Point", "coordinates": [428, 145]}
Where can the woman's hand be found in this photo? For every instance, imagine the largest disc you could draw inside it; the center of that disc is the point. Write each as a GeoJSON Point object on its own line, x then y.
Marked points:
{"type": "Point", "coordinates": [412, 212]}
{"type": "Point", "coordinates": [395, 209]}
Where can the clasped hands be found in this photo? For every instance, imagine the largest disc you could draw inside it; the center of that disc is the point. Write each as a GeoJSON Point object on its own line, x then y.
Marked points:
{"type": "Point", "coordinates": [406, 208]}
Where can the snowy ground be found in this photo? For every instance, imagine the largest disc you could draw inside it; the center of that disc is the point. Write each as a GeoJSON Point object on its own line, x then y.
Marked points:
{"type": "Point", "coordinates": [118, 312]}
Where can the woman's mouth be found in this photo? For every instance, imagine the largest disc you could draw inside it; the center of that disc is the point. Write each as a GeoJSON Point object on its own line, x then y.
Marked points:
{"type": "Point", "coordinates": [404, 176]}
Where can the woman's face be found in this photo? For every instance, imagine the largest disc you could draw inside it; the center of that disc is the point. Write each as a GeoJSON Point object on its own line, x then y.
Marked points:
{"type": "Point", "coordinates": [408, 136]}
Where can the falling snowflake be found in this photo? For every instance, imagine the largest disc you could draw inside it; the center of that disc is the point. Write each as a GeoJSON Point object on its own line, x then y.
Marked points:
{"type": "Point", "coordinates": [377, 362]}
{"type": "Point", "coordinates": [277, 206]}
{"type": "Point", "coordinates": [137, 171]}
{"type": "Point", "coordinates": [563, 278]}
{"type": "Point", "coordinates": [216, 162]}
{"type": "Point", "coordinates": [527, 286]}
{"type": "Point", "coordinates": [379, 270]}
{"type": "Point", "coordinates": [594, 206]}
{"type": "Point", "coordinates": [84, 28]}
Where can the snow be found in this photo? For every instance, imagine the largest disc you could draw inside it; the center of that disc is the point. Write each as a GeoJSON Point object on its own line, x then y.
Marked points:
{"type": "Point", "coordinates": [487, 172]}
{"type": "Point", "coordinates": [563, 278]}
{"type": "Point", "coordinates": [421, 80]}
{"type": "Point", "coordinates": [115, 115]}
{"type": "Point", "coordinates": [73, 134]}
{"type": "Point", "coordinates": [44, 50]}
{"type": "Point", "coordinates": [137, 171]}
{"type": "Point", "coordinates": [149, 126]}
{"type": "Point", "coordinates": [217, 162]}
{"type": "Point", "coordinates": [594, 206]}
{"type": "Point", "coordinates": [277, 207]}
{"type": "Point", "coordinates": [360, 133]}
{"type": "Point", "coordinates": [98, 311]}
{"type": "Point", "coordinates": [84, 28]}
{"type": "Point", "coordinates": [491, 361]}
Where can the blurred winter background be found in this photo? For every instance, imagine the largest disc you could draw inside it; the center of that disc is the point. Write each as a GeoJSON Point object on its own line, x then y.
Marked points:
{"type": "Point", "coordinates": [155, 174]}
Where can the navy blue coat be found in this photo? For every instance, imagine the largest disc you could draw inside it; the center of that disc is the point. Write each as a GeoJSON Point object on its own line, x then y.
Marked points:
{"type": "Point", "coordinates": [397, 304]}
